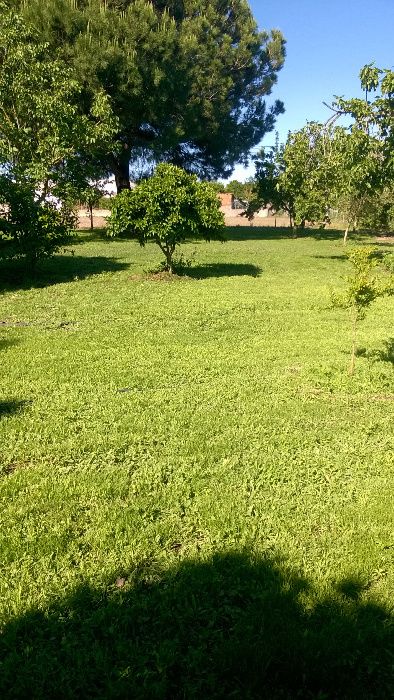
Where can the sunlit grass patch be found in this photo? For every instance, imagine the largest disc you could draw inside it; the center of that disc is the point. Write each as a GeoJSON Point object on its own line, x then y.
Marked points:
{"type": "Point", "coordinates": [181, 453]}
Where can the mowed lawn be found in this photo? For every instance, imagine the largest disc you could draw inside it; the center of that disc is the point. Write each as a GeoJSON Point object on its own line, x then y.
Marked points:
{"type": "Point", "coordinates": [196, 498]}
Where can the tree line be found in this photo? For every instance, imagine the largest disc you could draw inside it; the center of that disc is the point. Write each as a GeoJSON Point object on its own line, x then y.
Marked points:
{"type": "Point", "coordinates": [326, 167]}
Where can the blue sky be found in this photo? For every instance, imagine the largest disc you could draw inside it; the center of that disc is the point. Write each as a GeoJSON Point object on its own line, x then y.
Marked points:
{"type": "Point", "coordinates": [328, 41]}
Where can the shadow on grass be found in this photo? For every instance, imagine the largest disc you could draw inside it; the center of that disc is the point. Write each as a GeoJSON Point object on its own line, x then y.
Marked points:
{"type": "Point", "coordinates": [241, 233]}
{"type": "Point", "coordinates": [7, 408]}
{"type": "Point", "coordinates": [228, 627]}
{"type": "Point", "coordinates": [330, 257]}
{"type": "Point", "coordinates": [386, 240]}
{"type": "Point", "coordinates": [386, 354]}
{"type": "Point", "coordinates": [97, 235]}
{"type": "Point", "coordinates": [223, 270]}
{"type": "Point", "coordinates": [7, 342]}
{"type": "Point", "coordinates": [60, 268]}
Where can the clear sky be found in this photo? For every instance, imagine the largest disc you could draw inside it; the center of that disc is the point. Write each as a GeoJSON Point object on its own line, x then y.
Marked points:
{"type": "Point", "coordinates": [328, 41]}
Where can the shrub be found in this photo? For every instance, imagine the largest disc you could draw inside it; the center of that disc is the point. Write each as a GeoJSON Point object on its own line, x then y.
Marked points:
{"type": "Point", "coordinates": [31, 229]}
{"type": "Point", "coordinates": [168, 208]}
{"type": "Point", "coordinates": [365, 284]}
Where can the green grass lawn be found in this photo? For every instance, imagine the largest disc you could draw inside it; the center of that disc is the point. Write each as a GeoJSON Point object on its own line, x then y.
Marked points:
{"type": "Point", "coordinates": [196, 498]}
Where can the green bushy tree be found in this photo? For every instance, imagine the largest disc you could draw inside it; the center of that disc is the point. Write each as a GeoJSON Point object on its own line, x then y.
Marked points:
{"type": "Point", "coordinates": [268, 190]}
{"type": "Point", "coordinates": [91, 196]}
{"type": "Point", "coordinates": [30, 229]}
{"type": "Point", "coordinates": [243, 191]}
{"type": "Point", "coordinates": [299, 176]}
{"type": "Point", "coordinates": [43, 131]}
{"type": "Point", "coordinates": [168, 208]}
{"type": "Point", "coordinates": [367, 165]}
{"type": "Point", "coordinates": [43, 137]}
{"type": "Point", "coordinates": [324, 166]}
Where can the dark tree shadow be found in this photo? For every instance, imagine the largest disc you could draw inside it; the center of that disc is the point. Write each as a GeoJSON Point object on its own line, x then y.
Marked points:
{"type": "Point", "coordinates": [60, 268]}
{"type": "Point", "coordinates": [223, 270]}
{"type": "Point", "coordinates": [7, 408]}
{"type": "Point", "coordinates": [330, 257]}
{"type": "Point", "coordinates": [230, 627]}
{"type": "Point", "coordinates": [386, 240]}
{"type": "Point", "coordinates": [97, 235]}
{"type": "Point", "coordinates": [7, 342]}
{"type": "Point", "coordinates": [243, 233]}
{"type": "Point", "coordinates": [386, 354]}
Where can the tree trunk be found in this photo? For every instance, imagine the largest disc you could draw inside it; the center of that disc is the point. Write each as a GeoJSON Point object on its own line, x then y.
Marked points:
{"type": "Point", "coordinates": [121, 169]}
{"type": "Point", "coordinates": [168, 253]}
{"type": "Point", "coordinates": [354, 332]}
{"type": "Point", "coordinates": [91, 215]}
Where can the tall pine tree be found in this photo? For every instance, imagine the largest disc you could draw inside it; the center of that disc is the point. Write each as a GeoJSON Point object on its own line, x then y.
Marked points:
{"type": "Point", "coordinates": [187, 79]}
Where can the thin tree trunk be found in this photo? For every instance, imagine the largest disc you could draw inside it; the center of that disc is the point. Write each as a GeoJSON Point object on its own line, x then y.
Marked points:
{"type": "Point", "coordinates": [168, 252]}
{"type": "Point", "coordinates": [354, 334]}
{"type": "Point", "coordinates": [91, 216]}
{"type": "Point", "coordinates": [346, 233]}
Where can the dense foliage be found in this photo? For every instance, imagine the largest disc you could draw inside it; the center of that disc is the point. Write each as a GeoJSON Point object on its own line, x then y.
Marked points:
{"type": "Point", "coordinates": [43, 136]}
{"type": "Point", "coordinates": [168, 208]}
{"type": "Point", "coordinates": [186, 81]}
{"type": "Point", "coordinates": [30, 229]}
{"type": "Point", "coordinates": [43, 132]}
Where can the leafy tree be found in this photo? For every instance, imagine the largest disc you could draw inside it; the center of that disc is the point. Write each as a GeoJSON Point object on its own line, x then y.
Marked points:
{"type": "Point", "coordinates": [42, 131]}
{"type": "Point", "coordinates": [367, 148]}
{"type": "Point", "coordinates": [378, 211]}
{"type": "Point", "coordinates": [324, 166]}
{"type": "Point", "coordinates": [30, 229]}
{"type": "Point", "coordinates": [187, 81]}
{"type": "Point", "coordinates": [91, 195]}
{"type": "Point", "coordinates": [268, 190]}
{"type": "Point", "coordinates": [43, 135]}
{"type": "Point", "coordinates": [310, 172]}
{"type": "Point", "coordinates": [365, 284]}
{"type": "Point", "coordinates": [359, 174]}
{"type": "Point", "coordinates": [168, 208]}
{"type": "Point", "coordinates": [373, 115]}
{"type": "Point", "coordinates": [217, 186]}
{"type": "Point", "coordinates": [299, 176]}
{"type": "Point", "coordinates": [243, 191]}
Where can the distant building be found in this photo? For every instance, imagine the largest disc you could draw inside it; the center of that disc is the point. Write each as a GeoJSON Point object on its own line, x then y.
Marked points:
{"type": "Point", "coordinates": [226, 200]}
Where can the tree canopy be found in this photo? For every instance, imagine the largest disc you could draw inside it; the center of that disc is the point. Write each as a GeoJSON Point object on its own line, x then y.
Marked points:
{"type": "Point", "coordinates": [186, 80]}
{"type": "Point", "coordinates": [43, 132]}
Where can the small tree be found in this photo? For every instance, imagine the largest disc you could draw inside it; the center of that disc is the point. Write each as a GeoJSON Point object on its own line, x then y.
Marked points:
{"type": "Point", "coordinates": [91, 196]}
{"type": "Point", "coordinates": [168, 208]}
{"type": "Point", "coordinates": [366, 151]}
{"type": "Point", "coordinates": [299, 176]}
{"type": "Point", "coordinates": [268, 190]}
{"type": "Point", "coordinates": [29, 228]}
{"type": "Point", "coordinates": [364, 285]}
{"type": "Point", "coordinates": [243, 191]}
